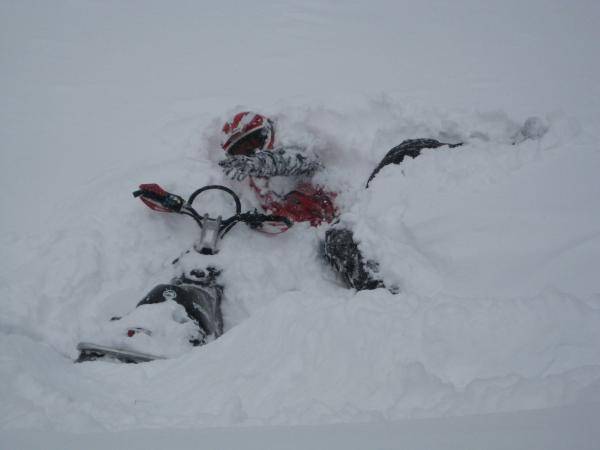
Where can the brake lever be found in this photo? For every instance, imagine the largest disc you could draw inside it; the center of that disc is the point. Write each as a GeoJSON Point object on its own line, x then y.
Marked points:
{"type": "Point", "coordinates": [255, 219]}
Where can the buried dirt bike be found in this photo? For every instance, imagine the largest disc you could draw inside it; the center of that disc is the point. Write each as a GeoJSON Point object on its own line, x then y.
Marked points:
{"type": "Point", "coordinates": [175, 317]}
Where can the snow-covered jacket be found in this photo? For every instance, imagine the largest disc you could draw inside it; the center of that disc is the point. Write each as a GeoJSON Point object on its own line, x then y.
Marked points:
{"type": "Point", "coordinates": [282, 161]}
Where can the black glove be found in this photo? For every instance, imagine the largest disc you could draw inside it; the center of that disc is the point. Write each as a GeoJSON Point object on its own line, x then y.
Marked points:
{"type": "Point", "coordinates": [255, 220]}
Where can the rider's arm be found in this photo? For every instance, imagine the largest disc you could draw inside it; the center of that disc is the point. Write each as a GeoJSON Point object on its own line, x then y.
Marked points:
{"type": "Point", "coordinates": [411, 148]}
{"type": "Point", "coordinates": [286, 161]}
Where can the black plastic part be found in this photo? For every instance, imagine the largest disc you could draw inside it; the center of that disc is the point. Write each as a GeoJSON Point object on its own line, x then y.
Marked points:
{"type": "Point", "coordinates": [201, 303]}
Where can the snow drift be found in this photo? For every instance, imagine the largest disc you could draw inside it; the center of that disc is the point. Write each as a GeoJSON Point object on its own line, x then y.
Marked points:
{"type": "Point", "coordinates": [496, 309]}
{"type": "Point", "coordinates": [493, 245]}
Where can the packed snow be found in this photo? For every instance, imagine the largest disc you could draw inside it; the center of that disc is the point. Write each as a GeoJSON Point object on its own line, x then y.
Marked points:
{"type": "Point", "coordinates": [491, 247]}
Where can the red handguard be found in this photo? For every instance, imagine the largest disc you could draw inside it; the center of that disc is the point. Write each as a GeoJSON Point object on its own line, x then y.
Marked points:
{"type": "Point", "coordinates": [155, 197]}
{"type": "Point", "coordinates": [153, 188]}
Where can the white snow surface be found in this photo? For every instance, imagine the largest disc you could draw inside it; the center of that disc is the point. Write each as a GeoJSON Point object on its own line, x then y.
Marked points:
{"type": "Point", "coordinates": [493, 247]}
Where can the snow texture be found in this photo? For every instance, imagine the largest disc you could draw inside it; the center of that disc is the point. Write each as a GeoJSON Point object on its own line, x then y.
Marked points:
{"type": "Point", "coordinates": [493, 245]}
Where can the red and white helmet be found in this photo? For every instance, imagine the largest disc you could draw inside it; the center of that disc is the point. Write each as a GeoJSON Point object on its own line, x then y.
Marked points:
{"type": "Point", "coordinates": [247, 132]}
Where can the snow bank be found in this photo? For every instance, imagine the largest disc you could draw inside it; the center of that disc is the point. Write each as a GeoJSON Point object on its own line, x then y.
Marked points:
{"type": "Point", "coordinates": [492, 314]}
{"type": "Point", "coordinates": [544, 430]}
{"type": "Point", "coordinates": [493, 246]}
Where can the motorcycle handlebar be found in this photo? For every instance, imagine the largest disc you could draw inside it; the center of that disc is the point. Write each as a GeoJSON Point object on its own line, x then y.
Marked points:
{"type": "Point", "coordinates": [254, 219]}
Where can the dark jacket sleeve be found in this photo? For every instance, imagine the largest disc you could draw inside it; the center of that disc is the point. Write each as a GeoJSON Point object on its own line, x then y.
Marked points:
{"type": "Point", "coordinates": [409, 147]}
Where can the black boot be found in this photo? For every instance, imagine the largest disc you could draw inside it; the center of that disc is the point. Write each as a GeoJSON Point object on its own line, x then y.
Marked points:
{"type": "Point", "coordinates": [344, 256]}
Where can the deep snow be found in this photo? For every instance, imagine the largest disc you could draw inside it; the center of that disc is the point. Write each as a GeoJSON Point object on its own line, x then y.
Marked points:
{"type": "Point", "coordinates": [532, 430]}
{"type": "Point", "coordinates": [492, 245]}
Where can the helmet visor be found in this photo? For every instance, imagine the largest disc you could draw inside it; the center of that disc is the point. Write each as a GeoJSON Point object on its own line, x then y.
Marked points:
{"type": "Point", "coordinates": [249, 144]}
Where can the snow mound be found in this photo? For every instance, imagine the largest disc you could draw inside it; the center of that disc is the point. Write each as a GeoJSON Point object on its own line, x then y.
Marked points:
{"type": "Point", "coordinates": [492, 246]}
